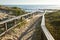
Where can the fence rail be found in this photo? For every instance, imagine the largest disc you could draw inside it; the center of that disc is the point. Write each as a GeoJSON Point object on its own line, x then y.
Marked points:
{"type": "Point", "coordinates": [45, 30]}
{"type": "Point", "coordinates": [15, 23]}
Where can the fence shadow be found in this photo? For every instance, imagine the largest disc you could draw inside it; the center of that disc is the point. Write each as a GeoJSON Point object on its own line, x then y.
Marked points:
{"type": "Point", "coordinates": [36, 33]}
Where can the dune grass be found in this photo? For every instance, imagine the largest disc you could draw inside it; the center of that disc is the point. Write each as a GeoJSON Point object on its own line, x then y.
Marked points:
{"type": "Point", "coordinates": [53, 24]}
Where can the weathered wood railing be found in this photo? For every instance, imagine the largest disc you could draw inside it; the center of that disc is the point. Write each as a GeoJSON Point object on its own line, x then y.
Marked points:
{"type": "Point", "coordinates": [13, 22]}
{"type": "Point", "coordinates": [46, 33]}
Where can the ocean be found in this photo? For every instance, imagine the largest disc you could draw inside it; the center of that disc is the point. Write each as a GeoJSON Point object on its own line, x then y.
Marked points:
{"type": "Point", "coordinates": [33, 7]}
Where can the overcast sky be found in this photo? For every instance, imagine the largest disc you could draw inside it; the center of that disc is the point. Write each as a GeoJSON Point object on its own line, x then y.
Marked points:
{"type": "Point", "coordinates": [34, 2]}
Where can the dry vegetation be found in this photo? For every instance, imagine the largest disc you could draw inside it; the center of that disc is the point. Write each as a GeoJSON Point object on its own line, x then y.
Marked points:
{"type": "Point", "coordinates": [53, 24]}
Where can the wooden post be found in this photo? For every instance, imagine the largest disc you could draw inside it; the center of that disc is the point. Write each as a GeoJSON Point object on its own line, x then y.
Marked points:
{"type": "Point", "coordinates": [15, 21]}
{"type": "Point", "coordinates": [6, 26]}
{"type": "Point", "coordinates": [33, 15]}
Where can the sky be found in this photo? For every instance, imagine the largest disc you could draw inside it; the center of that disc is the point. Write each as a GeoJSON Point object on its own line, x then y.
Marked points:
{"type": "Point", "coordinates": [30, 2]}
{"type": "Point", "coordinates": [53, 3]}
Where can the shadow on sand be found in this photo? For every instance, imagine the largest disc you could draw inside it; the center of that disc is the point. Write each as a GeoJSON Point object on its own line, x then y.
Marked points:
{"type": "Point", "coordinates": [37, 34]}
